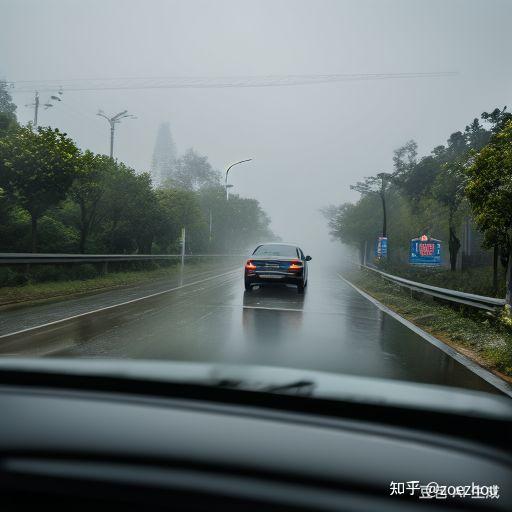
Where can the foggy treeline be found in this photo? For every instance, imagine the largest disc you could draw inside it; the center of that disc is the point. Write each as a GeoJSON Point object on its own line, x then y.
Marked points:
{"type": "Point", "coordinates": [464, 180]}
{"type": "Point", "coordinates": [56, 198]}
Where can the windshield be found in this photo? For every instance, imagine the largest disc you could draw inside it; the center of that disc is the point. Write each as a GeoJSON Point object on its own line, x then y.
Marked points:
{"type": "Point", "coordinates": [284, 251]}
{"type": "Point", "coordinates": [316, 186]}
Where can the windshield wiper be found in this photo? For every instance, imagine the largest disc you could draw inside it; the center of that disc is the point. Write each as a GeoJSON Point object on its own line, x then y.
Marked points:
{"type": "Point", "coordinates": [299, 387]}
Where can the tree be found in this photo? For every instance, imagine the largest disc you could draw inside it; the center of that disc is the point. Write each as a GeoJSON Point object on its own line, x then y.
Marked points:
{"type": "Point", "coordinates": [127, 214]}
{"type": "Point", "coordinates": [237, 224]}
{"type": "Point", "coordinates": [39, 168]}
{"type": "Point", "coordinates": [476, 135]}
{"type": "Point", "coordinates": [447, 189]}
{"type": "Point", "coordinates": [405, 158]}
{"type": "Point", "coordinates": [193, 172]}
{"type": "Point", "coordinates": [144, 214]}
{"type": "Point", "coordinates": [414, 178]}
{"type": "Point", "coordinates": [354, 224]}
{"type": "Point", "coordinates": [163, 163]}
{"type": "Point", "coordinates": [88, 189]}
{"type": "Point", "coordinates": [6, 104]}
{"type": "Point", "coordinates": [180, 209]}
{"type": "Point", "coordinates": [379, 185]}
{"type": "Point", "coordinates": [489, 191]}
{"type": "Point", "coordinates": [7, 110]}
{"type": "Point", "coordinates": [498, 119]}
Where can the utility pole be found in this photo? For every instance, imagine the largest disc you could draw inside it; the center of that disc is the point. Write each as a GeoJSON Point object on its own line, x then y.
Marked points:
{"type": "Point", "coordinates": [36, 107]}
{"type": "Point", "coordinates": [183, 239]}
{"type": "Point", "coordinates": [47, 105]}
{"type": "Point", "coordinates": [113, 120]}
{"type": "Point", "coordinates": [210, 237]}
{"type": "Point", "coordinates": [227, 171]}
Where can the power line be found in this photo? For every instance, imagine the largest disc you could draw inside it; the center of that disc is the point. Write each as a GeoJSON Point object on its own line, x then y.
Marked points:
{"type": "Point", "coordinates": [204, 82]}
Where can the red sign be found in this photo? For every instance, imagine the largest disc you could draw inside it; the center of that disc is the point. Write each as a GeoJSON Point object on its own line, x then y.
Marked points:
{"type": "Point", "coordinates": [426, 249]}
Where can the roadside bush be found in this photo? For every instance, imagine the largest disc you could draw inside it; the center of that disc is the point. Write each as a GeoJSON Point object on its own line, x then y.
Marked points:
{"type": "Point", "coordinates": [84, 271]}
{"type": "Point", "coordinates": [9, 277]}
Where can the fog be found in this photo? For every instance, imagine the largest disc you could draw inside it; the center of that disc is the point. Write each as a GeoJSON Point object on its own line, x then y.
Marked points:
{"type": "Point", "coordinates": [308, 142]}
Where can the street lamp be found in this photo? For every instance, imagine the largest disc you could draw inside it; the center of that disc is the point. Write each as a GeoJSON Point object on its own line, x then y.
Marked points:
{"type": "Point", "coordinates": [115, 119]}
{"type": "Point", "coordinates": [227, 171]}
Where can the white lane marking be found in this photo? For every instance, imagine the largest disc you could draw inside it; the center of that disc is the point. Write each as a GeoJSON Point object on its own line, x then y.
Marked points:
{"type": "Point", "coordinates": [55, 322]}
{"type": "Point", "coordinates": [489, 377]}
{"type": "Point", "coordinates": [273, 309]}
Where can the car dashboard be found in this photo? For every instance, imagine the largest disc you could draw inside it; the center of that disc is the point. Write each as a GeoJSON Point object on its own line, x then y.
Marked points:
{"type": "Point", "coordinates": [116, 444]}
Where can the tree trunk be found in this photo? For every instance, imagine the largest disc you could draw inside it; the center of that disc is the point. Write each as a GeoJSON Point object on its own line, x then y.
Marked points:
{"type": "Point", "coordinates": [453, 244]}
{"type": "Point", "coordinates": [33, 234]}
{"type": "Point", "coordinates": [508, 296]}
{"type": "Point", "coordinates": [84, 228]}
{"type": "Point", "coordinates": [384, 215]}
{"type": "Point", "coordinates": [83, 239]}
{"type": "Point", "coordinates": [495, 269]}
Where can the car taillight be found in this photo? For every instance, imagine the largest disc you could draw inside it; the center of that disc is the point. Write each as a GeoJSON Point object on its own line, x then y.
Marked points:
{"type": "Point", "coordinates": [296, 265]}
{"type": "Point", "coordinates": [250, 265]}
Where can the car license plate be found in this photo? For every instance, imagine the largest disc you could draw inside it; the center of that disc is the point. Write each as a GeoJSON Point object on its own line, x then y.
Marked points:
{"type": "Point", "coordinates": [271, 276]}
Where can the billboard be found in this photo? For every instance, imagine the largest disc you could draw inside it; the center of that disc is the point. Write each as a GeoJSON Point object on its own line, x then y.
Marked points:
{"type": "Point", "coordinates": [425, 251]}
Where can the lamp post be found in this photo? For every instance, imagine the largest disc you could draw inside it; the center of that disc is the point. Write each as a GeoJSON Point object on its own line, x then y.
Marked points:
{"type": "Point", "coordinates": [227, 171]}
{"type": "Point", "coordinates": [115, 119]}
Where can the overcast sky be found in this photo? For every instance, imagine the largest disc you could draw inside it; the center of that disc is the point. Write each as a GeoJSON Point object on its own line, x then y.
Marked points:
{"type": "Point", "coordinates": [309, 142]}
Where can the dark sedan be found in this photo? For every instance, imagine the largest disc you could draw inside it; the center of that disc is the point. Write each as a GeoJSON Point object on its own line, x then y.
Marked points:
{"type": "Point", "coordinates": [277, 263]}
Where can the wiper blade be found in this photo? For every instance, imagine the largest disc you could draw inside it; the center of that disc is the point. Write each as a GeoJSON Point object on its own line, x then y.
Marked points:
{"type": "Point", "coordinates": [299, 387]}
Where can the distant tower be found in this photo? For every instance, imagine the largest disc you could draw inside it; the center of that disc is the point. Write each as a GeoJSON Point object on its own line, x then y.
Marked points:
{"type": "Point", "coordinates": [164, 156]}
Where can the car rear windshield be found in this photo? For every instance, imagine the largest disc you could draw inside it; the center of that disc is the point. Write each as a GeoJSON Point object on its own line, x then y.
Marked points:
{"type": "Point", "coordinates": [283, 251]}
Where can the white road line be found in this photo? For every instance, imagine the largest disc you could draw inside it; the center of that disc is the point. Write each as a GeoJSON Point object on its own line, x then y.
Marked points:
{"type": "Point", "coordinates": [273, 309]}
{"type": "Point", "coordinates": [489, 377]}
{"type": "Point", "coordinates": [55, 322]}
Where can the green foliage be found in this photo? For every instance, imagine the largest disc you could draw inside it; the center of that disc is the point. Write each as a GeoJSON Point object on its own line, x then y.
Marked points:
{"type": "Point", "coordinates": [489, 188]}
{"type": "Point", "coordinates": [237, 224]}
{"type": "Point", "coordinates": [489, 191]}
{"type": "Point", "coordinates": [180, 208]}
{"type": "Point", "coordinates": [193, 172]}
{"type": "Point", "coordinates": [422, 195]}
{"type": "Point", "coordinates": [7, 111]}
{"type": "Point", "coordinates": [6, 104]}
{"type": "Point", "coordinates": [37, 169]}
{"type": "Point", "coordinates": [55, 198]}
{"type": "Point", "coordinates": [89, 185]}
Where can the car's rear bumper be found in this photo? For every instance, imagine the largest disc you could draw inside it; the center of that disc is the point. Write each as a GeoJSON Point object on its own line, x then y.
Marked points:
{"type": "Point", "coordinates": [274, 277]}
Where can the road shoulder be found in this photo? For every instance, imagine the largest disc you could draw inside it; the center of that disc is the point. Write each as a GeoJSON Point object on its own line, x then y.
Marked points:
{"type": "Point", "coordinates": [476, 362]}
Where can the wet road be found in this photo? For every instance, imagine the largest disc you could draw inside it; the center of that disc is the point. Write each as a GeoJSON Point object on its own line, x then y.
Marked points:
{"type": "Point", "coordinates": [330, 328]}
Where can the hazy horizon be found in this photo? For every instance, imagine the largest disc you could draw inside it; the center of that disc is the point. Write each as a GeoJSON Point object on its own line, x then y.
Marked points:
{"type": "Point", "coordinates": [308, 142]}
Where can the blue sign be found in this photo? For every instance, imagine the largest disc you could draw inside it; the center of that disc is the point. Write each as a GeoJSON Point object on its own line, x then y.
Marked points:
{"type": "Point", "coordinates": [381, 249]}
{"type": "Point", "coordinates": [425, 251]}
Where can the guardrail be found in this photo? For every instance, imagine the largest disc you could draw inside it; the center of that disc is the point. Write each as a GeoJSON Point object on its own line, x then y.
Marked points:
{"type": "Point", "coordinates": [468, 299]}
{"type": "Point", "coordinates": [41, 259]}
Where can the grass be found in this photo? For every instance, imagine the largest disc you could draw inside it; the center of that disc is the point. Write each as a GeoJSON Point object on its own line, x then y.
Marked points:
{"type": "Point", "coordinates": [56, 290]}
{"type": "Point", "coordinates": [479, 336]}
